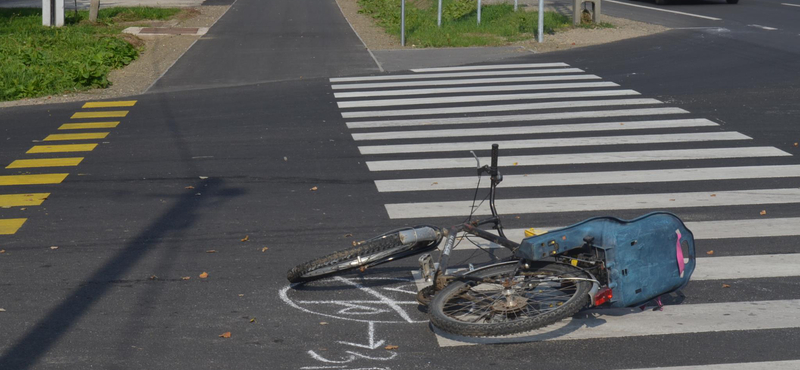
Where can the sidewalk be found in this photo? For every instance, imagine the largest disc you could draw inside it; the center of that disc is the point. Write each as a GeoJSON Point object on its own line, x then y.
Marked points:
{"type": "Point", "coordinates": [84, 4]}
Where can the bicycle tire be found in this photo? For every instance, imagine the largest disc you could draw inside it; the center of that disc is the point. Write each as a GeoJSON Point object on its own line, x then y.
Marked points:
{"type": "Point", "coordinates": [494, 316]}
{"type": "Point", "coordinates": [381, 249]}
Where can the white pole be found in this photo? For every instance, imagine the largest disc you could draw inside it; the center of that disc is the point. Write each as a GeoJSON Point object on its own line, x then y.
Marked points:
{"type": "Point", "coordinates": [515, 5]}
{"type": "Point", "coordinates": [53, 13]}
{"type": "Point", "coordinates": [541, 21]}
{"type": "Point", "coordinates": [403, 22]}
{"type": "Point", "coordinates": [479, 12]}
{"type": "Point", "coordinates": [439, 21]}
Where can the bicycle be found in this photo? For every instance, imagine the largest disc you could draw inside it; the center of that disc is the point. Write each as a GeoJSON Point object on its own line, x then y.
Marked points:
{"type": "Point", "coordinates": [601, 261]}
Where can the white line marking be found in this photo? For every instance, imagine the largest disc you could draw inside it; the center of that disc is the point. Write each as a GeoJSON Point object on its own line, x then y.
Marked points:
{"type": "Point", "coordinates": [771, 365]}
{"type": "Point", "coordinates": [702, 230]}
{"type": "Point", "coordinates": [553, 143]}
{"type": "Point", "coordinates": [371, 334]}
{"type": "Point", "coordinates": [747, 267]}
{"type": "Point", "coordinates": [483, 98]}
{"type": "Point", "coordinates": [665, 201]}
{"type": "Point", "coordinates": [458, 74]}
{"type": "Point", "coordinates": [677, 319]}
{"type": "Point", "coordinates": [526, 130]}
{"type": "Point", "coordinates": [516, 118]}
{"type": "Point", "coordinates": [763, 27]}
{"type": "Point", "coordinates": [787, 4]}
{"type": "Point", "coordinates": [472, 89]}
{"type": "Point", "coordinates": [581, 158]}
{"type": "Point", "coordinates": [663, 10]}
{"type": "Point", "coordinates": [471, 81]}
{"type": "Point", "coordinates": [500, 108]}
{"type": "Point", "coordinates": [594, 178]}
{"type": "Point", "coordinates": [485, 67]}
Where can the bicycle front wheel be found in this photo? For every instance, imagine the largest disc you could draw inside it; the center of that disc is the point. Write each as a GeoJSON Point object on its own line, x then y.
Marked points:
{"type": "Point", "coordinates": [381, 249]}
{"type": "Point", "coordinates": [504, 302]}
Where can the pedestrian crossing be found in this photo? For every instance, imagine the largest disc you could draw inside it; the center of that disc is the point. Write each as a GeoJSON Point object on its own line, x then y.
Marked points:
{"type": "Point", "coordinates": [580, 146]}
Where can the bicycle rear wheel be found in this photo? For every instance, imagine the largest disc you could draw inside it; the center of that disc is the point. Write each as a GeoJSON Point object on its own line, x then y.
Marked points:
{"type": "Point", "coordinates": [501, 304]}
{"type": "Point", "coordinates": [381, 249]}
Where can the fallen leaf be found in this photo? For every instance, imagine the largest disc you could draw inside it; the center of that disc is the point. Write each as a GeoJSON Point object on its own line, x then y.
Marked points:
{"type": "Point", "coordinates": [710, 253]}
{"type": "Point", "coordinates": [246, 238]}
{"type": "Point", "coordinates": [323, 323]}
{"type": "Point", "coordinates": [391, 347]}
{"type": "Point", "coordinates": [713, 195]}
{"type": "Point", "coordinates": [517, 217]}
{"type": "Point", "coordinates": [795, 144]}
{"type": "Point", "coordinates": [211, 251]}
{"type": "Point", "coordinates": [763, 212]}
{"type": "Point", "coordinates": [434, 183]}
{"type": "Point", "coordinates": [264, 249]}
{"type": "Point", "coordinates": [313, 189]}
{"type": "Point", "coordinates": [153, 277]}
{"type": "Point", "coordinates": [2, 310]}
{"type": "Point", "coordinates": [516, 163]}
{"type": "Point", "coordinates": [622, 124]}
{"type": "Point", "coordinates": [22, 209]}
{"type": "Point", "coordinates": [2, 250]}
{"type": "Point", "coordinates": [189, 187]}
{"type": "Point", "coordinates": [672, 200]}
{"type": "Point", "coordinates": [198, 194]}
{"type": "Point", "coordinates": [348, 235]}
{"type": "Point", "coordinates": [285, 159]}
{"type": "Point", "coordinates": [726, 286]}
{"type": "Point", "coordinates": [241, 295]}
{"type": "Point", "coordinates": [203, 275]}
{"type": "Point", "coordinates": [226, 334]}
{"type": "Point", "coordinates": [186, 278]}
{"type": "Point", "coordinates": [54, 247]}
{"type": "Point", "coordinates": [253, 320]}
{"type": "Point", "coordinates": [203, 177]}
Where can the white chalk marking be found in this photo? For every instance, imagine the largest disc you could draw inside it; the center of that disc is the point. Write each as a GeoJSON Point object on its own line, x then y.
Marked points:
{"type": "Point", "coordinates": [787, 4]}
{"type": "Point", "coordinates": [384, 299]}
{"type": "Point", "coordinates": [483, 98]}
{"type": "Point", "coordinates": [472, 89]}
{"type": "Point", "coordinates": [594, 178]}
{"type": "Point", "coordinates": [541, 129]}
{"type": "Point", "coordinates": [663, 10]}
{"type": "Point", "coordinates": [665, 201]}
{"type": "Point", "coordinates": [372, 343]}
{"type": "Point", "coordinates": [581, 158]}
{"type": "Point", "coordinates": [553, 143]}
{"type": "Point", "coordinates": [470, 81]}
{"type": "Point", "coordinates": [458, 74]}
{"type": "Point", "coordinates": [516, 118]}
{"type": "Point", "coordinates": [763, 27]}
{"type": "Point", "coordinates": [492, 66]}
{"type": "Point", "coordinates": [500, 108]}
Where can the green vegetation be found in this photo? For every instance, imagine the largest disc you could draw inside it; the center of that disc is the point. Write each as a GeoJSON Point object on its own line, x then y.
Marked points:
{"type": "Point", "coordinates": [38, 61]}
{"type": "Point", "coordinates": [500, 24]}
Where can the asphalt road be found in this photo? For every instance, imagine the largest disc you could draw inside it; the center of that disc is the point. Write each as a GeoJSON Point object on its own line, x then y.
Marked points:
{"type": "Point", "coordinates": [240, 164]}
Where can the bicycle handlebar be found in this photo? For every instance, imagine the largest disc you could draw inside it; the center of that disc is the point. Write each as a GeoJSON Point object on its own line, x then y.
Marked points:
{"type": "Point", "coordinates": [493, 168]}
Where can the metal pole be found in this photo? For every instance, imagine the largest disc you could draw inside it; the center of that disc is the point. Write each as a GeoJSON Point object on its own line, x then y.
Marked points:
{"type": "Point", "coordinates": [439, 21]}
{"type": "Point", "coordinates": [403, 22]}
{"type": "Point", "coordinates": [479, 12]}
{"type": "Point", "coordinates": [541, 21]}
{"type": "Point", "coordinates": [515, 5]}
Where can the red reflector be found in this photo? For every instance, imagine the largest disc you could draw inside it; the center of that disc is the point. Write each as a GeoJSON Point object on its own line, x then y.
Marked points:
{"type": "Point", "coordinates": [603, 296]}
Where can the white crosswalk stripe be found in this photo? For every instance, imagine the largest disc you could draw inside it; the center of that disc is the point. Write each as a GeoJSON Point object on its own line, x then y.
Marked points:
{"type": "Point", "coordinates": [707, 178]}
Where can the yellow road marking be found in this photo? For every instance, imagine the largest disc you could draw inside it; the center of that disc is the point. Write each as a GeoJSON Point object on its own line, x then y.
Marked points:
{"type": "Point", "coordinates": [50, 178]}
{"type": "Point", "coordinates": [45, 162]}
{"type": "Point", "coordinates": [22, 200]}
{"type": "Point", "coordinates": [61, 148]}
{"type": "Point", "coordinates": [82, 136]}
{"type": "Point", "coordinates": [109, 104]}
{"type": "Point", "coordinates": [80, 126]}
{"type": "Point", "coordinates": [11, 225]}
{"type": "Point", "coordinates": [104, 114]}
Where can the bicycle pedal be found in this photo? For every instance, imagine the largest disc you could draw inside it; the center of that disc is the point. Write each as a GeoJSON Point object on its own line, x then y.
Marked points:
{"type": "Point", "coordinates": [426, 267]}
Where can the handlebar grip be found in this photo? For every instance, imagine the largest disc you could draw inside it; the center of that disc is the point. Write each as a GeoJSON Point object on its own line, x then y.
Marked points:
{"type": "Point", "coordinates": [493, 169]}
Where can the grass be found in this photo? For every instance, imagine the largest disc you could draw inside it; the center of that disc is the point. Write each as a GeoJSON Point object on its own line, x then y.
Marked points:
{"type": "Point", "coordinates": [500, 24]}
{"type": "Point", "coordinates": [38, 61]}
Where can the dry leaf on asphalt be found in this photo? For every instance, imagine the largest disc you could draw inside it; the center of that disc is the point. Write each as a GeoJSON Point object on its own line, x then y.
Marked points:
{"type": "Point", "coordinates": [726, 286]}
{"type": "Point", "coordinates": [253, 320]}
{"type": "Point", "coordinates": [264, 249]}
{"type": "Point", "coordinates": [2, 310]}
{"type": "Point", "coordinates": [186, 278]}
{"type": "Point", "coordinates": [211, 251]}
{"type": "Point", "coordinates": [203, 177]}
{"type": "Point", "coordinates": [795, 144]}
{"type": "Point", "coordinates": [241, 295]}
{"type": "Point", "coordinates": [323, 323]}
{"type": "Point", "coordinates": [54, 247]}
{"type": "Point", "coordinates": [348, 235]}
{"type": "Point", "coordinates": [226, 334]}
{"type": "Point", "coordinates": [713, 195]}
{"type": "Point", "coordinates": [710, 253]}
{"type": "Point", "coordinates": [391, 347]}
{"type": "Point", "coordinates": [2, 250]}
{"type": "Point", "coordinates": [314, 188]}
{"type": "Point", "coordinates": [189, 187]}
{"type": "Point", "coordinates": [246, 238]}
{"type": "Point", "coordinates": [203, 275]}
{"type": "Point", "coordinates": [763, 212]}
{"type": "Point", "coordinates": [153, 277]}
